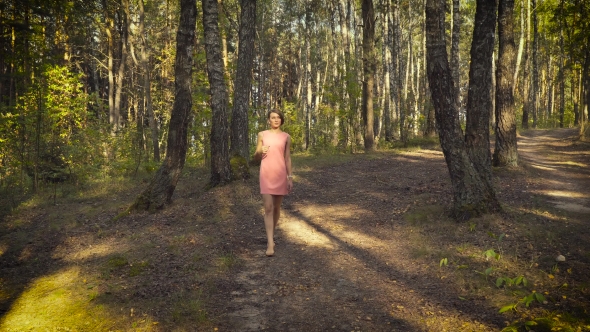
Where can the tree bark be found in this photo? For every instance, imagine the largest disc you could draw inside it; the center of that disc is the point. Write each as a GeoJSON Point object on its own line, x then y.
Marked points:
{"type": "Point", "coordinates": [121, 69]}
{"type": "Point", "coordinates": [586, 94]}
{"type": "Point", "coordinates": [395, 78]}
{"type": "Point", "coordinates": [220, 168]}
{"type": "Point", "coordinates": [243, 83]}
{"type": "Point", "coordinates": [535, 66]}
{"type": "Point", "coordinates": [109, 26]}
{"type": "Point", "coordinates": [505, 152]}
{"type": "Point", "coordinates": [479, 98]}
{"type": "Point", "coordinates": [369, 68]}
{"type": "Point", "coordinates": [160, 190]}
{"type": "Point", "coordinates": [387, 66]}
{"type": "Point", "coordinates": [455, 60]}
{"type": "Point", "coordinates": [561, 75]}
{"type": "Point", "coordinates": [472, 194]}
{"type": "Point", "coordinates": [526, 86]}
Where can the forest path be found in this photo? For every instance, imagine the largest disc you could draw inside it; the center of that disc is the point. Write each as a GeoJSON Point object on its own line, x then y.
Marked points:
{"type": "Point", "coordinates": [364, 244]}
{"type": "Point", "coordinates": [354, 252]}
{"type": "Point", "coordinates": [562, 165]}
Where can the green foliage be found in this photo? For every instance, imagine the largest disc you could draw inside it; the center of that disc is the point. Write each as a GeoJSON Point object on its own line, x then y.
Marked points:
{"type": "Point", "coordinates": [294, 126]}
{"type": "Point", "coordinates": [51, 133]}
{"type": "Point", "coordinates": [509, 282]}
{"type": "Point", "coordinates": [527, 300]}
{"type": "Point", "coordinates": [491, 254]}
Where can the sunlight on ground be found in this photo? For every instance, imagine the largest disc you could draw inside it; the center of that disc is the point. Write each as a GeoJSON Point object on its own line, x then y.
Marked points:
{"type": "Point", "coordinates": [545, 168]}
{"type": "Point", "coordinates": [327, 227]}
{"type": "Point", "coordinates": [94, 251]}
{"type": "Point", "coordinates": [52, 302]}
{"type": "Point", "coordinates": [424, 154]}
{"type": "Point", "coordinates": [571, 207]}
{"type": "Point", "coordinates": [303, 233]}
{"type": "Point", "coordinates": [569, 163]}
{"type": "Point", "coordinates": [546, 214]}
{"type": "Point", "coordinates": [560, 193]}
{"type": "Point", "coordinates": [3, 248]}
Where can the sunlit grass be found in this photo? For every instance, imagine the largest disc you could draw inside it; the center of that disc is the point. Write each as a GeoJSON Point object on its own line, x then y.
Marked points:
{"type": "Point", "coordinates": [60, 300]}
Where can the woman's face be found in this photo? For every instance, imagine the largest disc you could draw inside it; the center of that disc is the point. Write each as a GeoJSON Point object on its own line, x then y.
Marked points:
{"type": "Point", "coordinates": [274, 120]}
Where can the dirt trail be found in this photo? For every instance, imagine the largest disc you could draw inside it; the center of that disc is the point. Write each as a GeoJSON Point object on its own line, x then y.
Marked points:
{"type": "Point", "coordinates": [347, 258]}
{"type": "Point", "coordinates": [561, 165]}
{"type": "Point", "coordinates": [360, 247]}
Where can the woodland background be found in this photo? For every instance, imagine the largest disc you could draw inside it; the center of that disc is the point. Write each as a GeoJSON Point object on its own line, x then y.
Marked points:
{"type": "Point", "coordinates": [87, 87]}
{"type": "Point", "coordinates": [98, 97]}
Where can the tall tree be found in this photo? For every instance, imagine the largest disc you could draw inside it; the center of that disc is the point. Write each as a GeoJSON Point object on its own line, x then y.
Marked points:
{"type": "Point", "coordinates": [369, 69]}
{"type": "Point", "coordinates": [505, 152]}
{"type": "Point", "coordinates": [535, 65]}
{"type": "Point", "coordinates": [479, 97]}
{"type": "Point", "coordinates": [147, 95]}
{"type": "Point", "coordinates": [455, 59]}
{"type": "Point", "coordinates": [220, 168]}
{"type": "Point", "coordinates": [243, 82]}
{"type": "Point", "coordinates": [159, 191]}
{"type": "Point", "coordinates": [526, 76]}
{"type": "Point", "coordinates": [472, 193]}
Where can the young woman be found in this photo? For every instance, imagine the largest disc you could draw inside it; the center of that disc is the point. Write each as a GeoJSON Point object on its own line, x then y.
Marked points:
{"type": "Point", "coordinates": [276, 179]}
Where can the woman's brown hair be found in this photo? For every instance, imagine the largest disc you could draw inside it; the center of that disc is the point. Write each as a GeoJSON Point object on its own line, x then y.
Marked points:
{"type": "Point", "coordinates": [281, 115]}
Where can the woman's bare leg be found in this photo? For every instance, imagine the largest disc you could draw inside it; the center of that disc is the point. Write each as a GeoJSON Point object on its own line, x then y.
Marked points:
{"type": "Point", "coordinates": [277, 201]}
{"type": "Point", "coordinates": [269, 223]}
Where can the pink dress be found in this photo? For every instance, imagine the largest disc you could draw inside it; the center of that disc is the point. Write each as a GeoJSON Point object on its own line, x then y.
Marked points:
{"type": "Point", "coordinates": [273, 170]}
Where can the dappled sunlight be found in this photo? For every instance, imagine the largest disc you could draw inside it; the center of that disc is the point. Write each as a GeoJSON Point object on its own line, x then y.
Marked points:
{"type": "Point", "coordinates": [560, 193]}
{"type": "Point", "coordinates": [572, 207]}
{"type": "Point", "coordinates": [568, 163]}
{"type": "Point", "coordinates": [542, 213]}
{"type": "Point", "coordinates": [576, 153]}
{"type": "Point", "coordinates": [544, 168]}
{"type": "Point", "coordinates": [3, 248]}
{"type": "Point", "coordinates": [329, 232]}
{"type": "Point", "coordinates": [103, 249]}
{"type": "Point", "coordinates": [305, 234]}
{"type": "Point", "coordinates": [424, 154]}
{"type": "Point", "coordinates": [55, 302]}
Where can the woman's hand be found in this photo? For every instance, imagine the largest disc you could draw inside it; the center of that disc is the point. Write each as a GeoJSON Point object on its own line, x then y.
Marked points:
{"type": "Point", "coordinates": [289, 184]}
{"type": "Point", "coordinates": [265, 149]}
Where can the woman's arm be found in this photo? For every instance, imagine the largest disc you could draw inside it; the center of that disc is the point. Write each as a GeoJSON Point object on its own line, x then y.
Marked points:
{"type": "Point", "coordinates": [258, 154]}
{"type": "Point", "coordinates": [288, 164]}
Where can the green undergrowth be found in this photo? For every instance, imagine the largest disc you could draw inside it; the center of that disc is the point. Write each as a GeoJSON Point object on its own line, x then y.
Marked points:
{"type": "Point", "coordinates": [510, 260]}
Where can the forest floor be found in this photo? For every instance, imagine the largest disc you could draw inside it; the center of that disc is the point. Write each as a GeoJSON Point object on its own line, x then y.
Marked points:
{"type": "Point", "coordinates": [364, 244]}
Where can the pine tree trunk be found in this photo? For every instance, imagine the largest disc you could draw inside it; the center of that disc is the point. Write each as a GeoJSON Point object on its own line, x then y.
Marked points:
{"type": "Point", "coordinates": [526, 86]}
{"type": "Point", "coordinates": [535, 66]}
{"type": "Point", "coordinates": [386, 60]}
{"type": "Point", "coordinates": [561, 75]}
{"type": "Point", "coordinates": [243, 84]}
{"type": "Point", "coordinates": [120, 70]}
{"type": "Point", "coordinates": [145, 64]}
{"type": "Point", "coordinates": [520, 47]}
{"type": "Point", "coordinates": [586, 79]}
{"type": "Point", "coordinates": [472, 194]}
{"type": "Point", "coordinates": [369, 68]}
{"type": "Point", "coordinates": [160, 190]}
{"type": "Point", "coordinates": [455, 36]}
{"type": "Point", "coordinates": [395, 84]}
{"type": "Point", "coordinates": [220, 168]}
{"type": "Point", "coordinates": [109, 26]}
{"type": "Point", "coordinates": [505, 152]}
{"type": "Point", "coordinates": [479, 99]}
